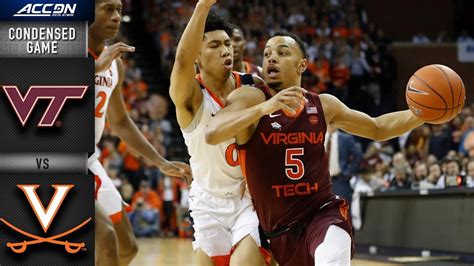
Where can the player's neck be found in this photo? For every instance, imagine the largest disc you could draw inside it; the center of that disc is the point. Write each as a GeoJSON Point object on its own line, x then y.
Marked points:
{"type": "Point", "coordinates": [95, 45]}
{"type": "Point", "coordinates": [239, 66]}
{"type": "Point", "coordinates": [220, 86]}
{"type": "Point", "coordinates": [281, 87]}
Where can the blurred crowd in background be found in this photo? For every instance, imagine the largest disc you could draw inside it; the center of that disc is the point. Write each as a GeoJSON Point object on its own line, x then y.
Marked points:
{"type": "Point", "coordinates": [348, 56]}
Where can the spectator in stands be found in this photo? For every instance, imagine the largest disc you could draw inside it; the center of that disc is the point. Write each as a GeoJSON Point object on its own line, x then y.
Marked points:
{"type": "Point", "coordinates": [321, 70]}
{"type": "Point", "coordinates": [450, 178]}
{"type": "Point", "coordinates": [401, 180]}
{"type": "Point", "coordinates": [398, 161]}
{"type": "Point", "coordinates": [470, 154]}
{"type": "Point", "coordinates": [441, 38]}
{"type": "Point", "coordinates": [149, 196]}
{"type": "Point", "coordinates": [381, 40]}
{"type": "Point", "coordinates": [464, 37]}
{"type": "Point", "coordinates": [361, 184]}
{"type": "Point", "coordinates": [144, 220]}
{"type": "Point", "coordinates": [359, 70]}
{"type": "Point", "coordinates": [340, 31]}
{"type": "Point", "coordinates": [439, 142]}
{"type": "Point", "coordinates": [146, 203]}
{"type": "Point", "coordinates": [420, 38]}
{"type": "Point", "coordinates": [470, 174]}
{"type": "Point", "coordinates": [345, 156]}
{"type": "Point", "coordinates": [421, 173]}
{"type": "Point", "coordinates": [111, 158]}
{"type": "Point", "coordinates": [182, 214]}
{"type": "Point", "coordinates": [168, 196]}
{"type": "Point", "coordinates": [132, 165]}
{"type": "Point", "coordinates": [466, 141]}
{"type": "Point", "coordinates": [126, 190]}
{"type": "Point", "coordinates": [323, 30]}
{"type": "Point", "coordinates": [157, 107]}
{"type": "Point", "coordinates": [434, 174]}
{"type": "Point", "coordinates": [340, 79]}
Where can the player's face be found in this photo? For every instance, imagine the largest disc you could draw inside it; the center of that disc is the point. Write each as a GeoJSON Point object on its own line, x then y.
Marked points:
{"type": "Point", "coordinates": [238, 43]}
{"type": "Point", "coordinates": [108, 14]}
{"type": "Point", "coordinates": [216, 53]}
{"type": "Point", "coordinates": [283, 63]}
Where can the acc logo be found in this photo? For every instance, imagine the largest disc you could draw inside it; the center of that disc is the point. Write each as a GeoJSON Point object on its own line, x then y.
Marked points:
{"type": "Point", "coordinates": [47, 10]}
{"type": "Point", "coordinates": [23, 105]}
{"type": "Point", "coordinates": [45, 217]}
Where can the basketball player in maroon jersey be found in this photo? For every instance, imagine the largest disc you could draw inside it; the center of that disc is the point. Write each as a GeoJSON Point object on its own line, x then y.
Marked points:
{"type": "Point", "coordinates": [280, 133]}
{"type": "Point", "coordinates": [238, 43]}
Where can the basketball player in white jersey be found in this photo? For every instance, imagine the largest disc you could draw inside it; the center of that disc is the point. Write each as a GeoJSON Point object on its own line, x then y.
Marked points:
{"type": "Point", "coordinates": [109, 103]}
{"type": "Point", "coordinates": [225, 223]}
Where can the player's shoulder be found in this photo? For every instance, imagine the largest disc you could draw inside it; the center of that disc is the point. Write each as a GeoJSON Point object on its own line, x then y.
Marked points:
{"type": "Point", "coordinates": [247, 95]}
{"type": "Point", "coordinates": [258, 81]}
{"type": "Point", "coordinates": [328, 100]}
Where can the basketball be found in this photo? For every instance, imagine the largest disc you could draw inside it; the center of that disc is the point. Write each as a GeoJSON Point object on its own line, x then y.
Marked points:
{"type": "Point", "coordinates": [435, 93]}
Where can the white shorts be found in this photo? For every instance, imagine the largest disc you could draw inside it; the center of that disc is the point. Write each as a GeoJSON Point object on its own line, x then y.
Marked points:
{"type": "Point", "coordinates": [220, 223]}
{"type": "Point", "coordinates": [106, 193]}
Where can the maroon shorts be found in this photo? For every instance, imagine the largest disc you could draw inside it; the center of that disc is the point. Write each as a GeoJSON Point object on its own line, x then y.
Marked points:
{"type": "Point", "coordinates": [297, 247]}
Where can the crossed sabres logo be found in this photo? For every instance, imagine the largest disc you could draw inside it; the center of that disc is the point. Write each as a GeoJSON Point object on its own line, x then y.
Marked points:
{"type": "Point", "coordinates": [45, 217]}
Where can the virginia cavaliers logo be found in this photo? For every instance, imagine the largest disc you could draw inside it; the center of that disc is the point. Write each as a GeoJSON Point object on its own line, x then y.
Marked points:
{"type": "Point", "coordinates": [45, 217]}
{"type": "Point", "coordinates": [24, 105]}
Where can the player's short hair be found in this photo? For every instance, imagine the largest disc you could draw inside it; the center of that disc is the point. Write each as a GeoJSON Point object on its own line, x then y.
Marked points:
{"type": "Point", "coordinates": [294, 37]}
{"type": "Point", "coordinates": [235, 27]}
{"type": "Point", "coordinates": [215, 21]}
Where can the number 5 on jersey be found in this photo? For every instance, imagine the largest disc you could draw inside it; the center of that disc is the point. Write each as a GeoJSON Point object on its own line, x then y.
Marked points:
{"type": "Point", "coordinates": [294, 167]}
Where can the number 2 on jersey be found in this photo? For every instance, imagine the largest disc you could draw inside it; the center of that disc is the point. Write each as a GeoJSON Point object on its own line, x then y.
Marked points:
{"type": "Point", "coordinates": [99, 112]}
{"type": "Point", "coordinates": [294, 167]}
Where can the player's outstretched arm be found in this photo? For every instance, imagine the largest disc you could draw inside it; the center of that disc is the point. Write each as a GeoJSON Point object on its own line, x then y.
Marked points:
{"type": "Point", "coordinates": [126, 129]}
{"type": "Point", "coordinates": [184, 90]}
{"type": "Point", "coordinates": [245, 107]}
{"type": "Point", "coordinates": [380, 128]}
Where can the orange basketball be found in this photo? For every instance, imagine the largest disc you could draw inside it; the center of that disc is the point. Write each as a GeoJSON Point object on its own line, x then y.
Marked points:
{"type": "Point", "coordinates": [435, 93]}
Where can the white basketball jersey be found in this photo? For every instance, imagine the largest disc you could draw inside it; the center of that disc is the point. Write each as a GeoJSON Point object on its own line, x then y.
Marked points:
{"type": "Point", "coordinates": [105, 83]}
{"type": "Point", "coordinates": [215, 168]}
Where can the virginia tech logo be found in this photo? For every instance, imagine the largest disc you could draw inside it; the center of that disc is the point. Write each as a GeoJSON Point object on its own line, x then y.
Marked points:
{"type": "Point", "coordinates": [24, 105]}
{"type": "Point", "coordinates": [45, 218]}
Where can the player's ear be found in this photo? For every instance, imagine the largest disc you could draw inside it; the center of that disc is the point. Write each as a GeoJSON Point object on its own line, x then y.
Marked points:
{"type": "Point", "coordinates": [302, 66]}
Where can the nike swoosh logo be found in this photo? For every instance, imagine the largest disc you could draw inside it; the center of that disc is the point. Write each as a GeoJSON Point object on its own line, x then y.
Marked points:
{"type": "Point", "coordinates": [414, 90]}
{"type": "Point", "coordinates": [273, 116]}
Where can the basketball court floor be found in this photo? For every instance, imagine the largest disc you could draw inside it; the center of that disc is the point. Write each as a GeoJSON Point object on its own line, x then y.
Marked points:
{"type": "Point", "coordinates": [175, 251]}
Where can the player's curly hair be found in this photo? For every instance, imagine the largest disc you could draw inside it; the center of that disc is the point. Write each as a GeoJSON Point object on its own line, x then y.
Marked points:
{"type": "Point", "coordinates": [294, 37]}
{"type": "Point", "coordinates": [215, 21]}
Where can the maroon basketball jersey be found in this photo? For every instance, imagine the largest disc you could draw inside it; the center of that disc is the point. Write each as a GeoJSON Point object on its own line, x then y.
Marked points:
{"type": "Point", "coordinates": [286, 167]}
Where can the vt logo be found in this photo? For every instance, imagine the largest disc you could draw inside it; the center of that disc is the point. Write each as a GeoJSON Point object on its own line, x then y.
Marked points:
{"type": "Point", "coordinates": [45, 217]}
{"type": "Point", "coordinates": [24, 105]}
